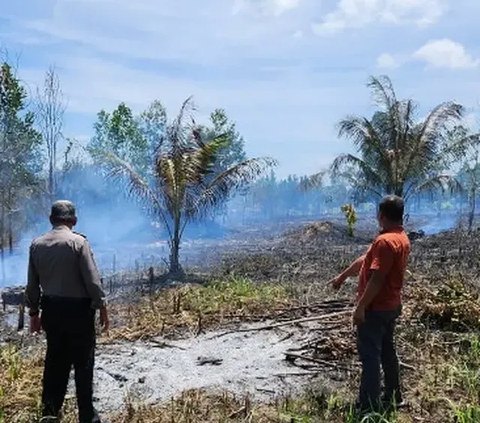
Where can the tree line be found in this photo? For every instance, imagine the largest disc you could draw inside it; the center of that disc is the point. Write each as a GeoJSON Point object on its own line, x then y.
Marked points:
{"type": "Point", "coordinates": [179, 171]}
{"type": "Point", "coordinates": [398, 152]}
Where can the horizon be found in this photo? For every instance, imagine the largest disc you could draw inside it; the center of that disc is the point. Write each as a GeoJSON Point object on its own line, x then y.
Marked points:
{"type": "Point", "coordinates": [284, 70]}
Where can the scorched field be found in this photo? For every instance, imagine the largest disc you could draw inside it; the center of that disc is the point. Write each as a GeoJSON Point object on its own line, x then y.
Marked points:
{"type": "Point", "coordinates": [256, 335]}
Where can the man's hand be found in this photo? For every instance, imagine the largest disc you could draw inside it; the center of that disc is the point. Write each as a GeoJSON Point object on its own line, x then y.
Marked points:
{"type": "Point", "coordinates": [104, 320]}
{"type": "Point", "coordinates": [358, 315]}
{"type": "Point", "coordinates": [351, 271]}
{"type": "Point", "coordinates": [337, 282]}
{"type": "Point", "coordinates": [35, 324]}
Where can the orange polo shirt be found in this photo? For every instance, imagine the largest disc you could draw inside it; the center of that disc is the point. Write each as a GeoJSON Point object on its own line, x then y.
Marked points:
{"type": "Point", "coordinates": [388, 255]}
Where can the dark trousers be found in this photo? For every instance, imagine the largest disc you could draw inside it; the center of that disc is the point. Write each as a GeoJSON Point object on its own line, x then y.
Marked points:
{"type": "Point", "coordinates": [70, 328]}
{"type": "Point", "coordinates": [376, 348]}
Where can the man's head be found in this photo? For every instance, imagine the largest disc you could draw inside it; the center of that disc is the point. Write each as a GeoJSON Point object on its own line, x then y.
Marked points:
{"type": "Point", "coordinates": [63, 213]}
{"type": "Point", "coordinates": [390, 211]}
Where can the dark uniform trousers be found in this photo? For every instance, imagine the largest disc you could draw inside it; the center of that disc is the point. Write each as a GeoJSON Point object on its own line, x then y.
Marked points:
{"type": "Point", "coordinates": [70, 328]}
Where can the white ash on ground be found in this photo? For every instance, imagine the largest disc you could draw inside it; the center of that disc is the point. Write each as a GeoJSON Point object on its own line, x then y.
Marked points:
{"type": "Point", "coordinates": [154, 372]}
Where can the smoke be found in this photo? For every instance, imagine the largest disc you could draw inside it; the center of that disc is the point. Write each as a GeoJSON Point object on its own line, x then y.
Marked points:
{"type": "Point", "coordinates": [436, 224]}
{"type": "Point", "coordinates": [118, 230]}
{"type": "Point", "coordinates": [124, 237]}
{"type": "Point", "coordinates": [121, 233]}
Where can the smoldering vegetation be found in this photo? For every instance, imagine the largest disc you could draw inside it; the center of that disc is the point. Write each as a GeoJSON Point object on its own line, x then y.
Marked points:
{"type": "Point", "coordinates": [206, 251]}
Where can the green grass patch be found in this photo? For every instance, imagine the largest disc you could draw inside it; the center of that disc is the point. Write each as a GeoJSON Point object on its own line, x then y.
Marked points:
{"type": "Point", "coordinates": [200, 307]}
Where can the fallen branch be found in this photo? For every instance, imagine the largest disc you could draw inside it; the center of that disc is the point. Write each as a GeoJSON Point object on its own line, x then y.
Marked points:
{"type": "Point", "coordinates": [315, 360]}
{"type": "Point", "coordinates": [313, 342]}
{"type": "Point", "coordinates": [329, 304]}
{"type": "Point", "coordinates": [290, 322]}
{"type": "Point", "coordinates": [287, 336]}
{"type": "Point", "coordinates": [161, 344]}
{"type": "Point", "coordinates": [297, 374]}
{"type": "Point", "coordinates": [336, 365]}
{"type": "Point", "coordinates": [238, 412]}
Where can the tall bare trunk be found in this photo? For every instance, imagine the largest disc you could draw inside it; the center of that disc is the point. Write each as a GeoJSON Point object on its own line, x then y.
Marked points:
{"type": "Point", "coordinates": [51, 187]}
{"type": "Point", "coordinates": [50, 114]}
{"type": "Point", "coordinates": [471, 215]}
{"type": "Point", "coordinates": [10, 233]}
{"type": "Point", "coordinates": [9, 218]}
{"type": "Point", "coordinates": [2, 224]}
{"type": "Point", "coordinates": [2, 237]}
{"type": "Point", "coordinates": [175, 267]}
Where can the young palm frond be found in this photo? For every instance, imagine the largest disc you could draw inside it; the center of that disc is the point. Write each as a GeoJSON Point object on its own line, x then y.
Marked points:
{"type": "Point", "coordinates": [433, 184]}
{"type": "Point", "coordinates": [185, 182]}
{"type": "Point", "coordinates": [234, 178]}
{"type": "Point", "coordinates": [367, 171]}
{"type": "Point", "coordinates": [124, 173]}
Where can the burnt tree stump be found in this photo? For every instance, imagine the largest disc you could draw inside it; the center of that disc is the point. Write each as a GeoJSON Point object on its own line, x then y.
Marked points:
{"type": "Point", "coordinates": [15, 297]}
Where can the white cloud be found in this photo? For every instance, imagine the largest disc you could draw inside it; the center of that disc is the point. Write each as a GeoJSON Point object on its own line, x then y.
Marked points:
{"type": "Point", "coordinates": [264, 109]}
{"type": "Point", "coordinates": [279, 83]}
{"type": "Point", "coordinates": [285, 5]}
{"type": "Point", "coordinates": [93, 83]}
{"type": "Point", "coordinates": [387, 61]}
{"type": "Point", "coordinates": [200, 32]}
{"type": "Point", "coordinates": [265, 7]}
{"type": "Point", "coordinates": [446, 53]}
{"type": "Point", "coordinates": [360, 13]}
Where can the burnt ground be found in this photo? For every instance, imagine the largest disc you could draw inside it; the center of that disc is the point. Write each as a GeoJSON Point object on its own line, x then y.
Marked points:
{"type": "Point", "coordinates": [302, 251]}
{"type": "Point", "coordinates": [306, 256]}
{"type": "Point", "coordinates": [293, 252]}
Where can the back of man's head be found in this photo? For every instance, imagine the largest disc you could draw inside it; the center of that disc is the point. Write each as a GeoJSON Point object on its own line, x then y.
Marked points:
{"type": "Point", "coordinates": [392, 208]}
{"type": "Point", "coordinates": [63, 211]}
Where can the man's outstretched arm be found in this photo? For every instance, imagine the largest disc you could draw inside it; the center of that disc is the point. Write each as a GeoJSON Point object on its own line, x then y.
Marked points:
{"type": "Point", "coordinates": [350, 271]}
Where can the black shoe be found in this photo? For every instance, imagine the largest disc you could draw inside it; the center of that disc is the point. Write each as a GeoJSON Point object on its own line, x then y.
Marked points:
{"type": "Point", "coordinates": [365, 409]}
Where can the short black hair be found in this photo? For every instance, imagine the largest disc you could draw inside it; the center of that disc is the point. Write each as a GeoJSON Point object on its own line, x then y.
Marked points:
{"type": "Point", "coordinates": [392, 207]}
{"type": "Point", "coordinates": [63, 211]}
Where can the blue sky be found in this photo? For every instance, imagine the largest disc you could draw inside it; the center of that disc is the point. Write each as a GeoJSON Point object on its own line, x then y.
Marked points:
{"type": "Point", "coordinates": [285, 70]}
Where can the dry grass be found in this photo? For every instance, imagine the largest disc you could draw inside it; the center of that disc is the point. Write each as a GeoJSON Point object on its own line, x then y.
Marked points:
{"type": "Point", "coordinates": [199, 307]}
{"type": "Point", "coordinates": [19, 387]}
{"type": "Point", "coordinates": [205, 407]}
{"type": "Point", "coordinates": [453, 306]}
{"type": "Point", "coordinates": [439, 336]}
{"type": "Point", "coordinates": [445, 352]}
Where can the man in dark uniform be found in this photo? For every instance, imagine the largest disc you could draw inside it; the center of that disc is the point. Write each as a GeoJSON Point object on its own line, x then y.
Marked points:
{"type": "Point", "coordinates": [64, 283]}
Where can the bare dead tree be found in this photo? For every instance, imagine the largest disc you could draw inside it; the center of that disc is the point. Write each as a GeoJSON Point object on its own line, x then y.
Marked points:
{"type": "Point", "coordinates": [50, 118]}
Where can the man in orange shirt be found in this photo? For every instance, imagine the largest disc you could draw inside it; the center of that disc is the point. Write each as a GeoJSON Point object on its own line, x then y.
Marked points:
{"type": "Point", "coordinates": [381, 270]}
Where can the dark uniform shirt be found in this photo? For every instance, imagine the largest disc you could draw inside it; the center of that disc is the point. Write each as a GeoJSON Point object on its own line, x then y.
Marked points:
{"type": "Point", "coordinates": [61, 264]}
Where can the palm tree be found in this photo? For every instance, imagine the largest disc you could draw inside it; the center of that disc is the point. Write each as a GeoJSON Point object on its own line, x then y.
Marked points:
{"type": "Point", "coordinates": [468, 154]}
{"type": "Point", "coordinates": [185, 184]}
{"type": "Point", "coordinates": [398, 153]}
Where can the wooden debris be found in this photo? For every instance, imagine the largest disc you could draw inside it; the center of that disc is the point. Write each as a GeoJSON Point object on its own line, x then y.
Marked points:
{"type": "Point", "coordinates": [287, 323]}
{"type": "Point", "coordinates": [214, 361]}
